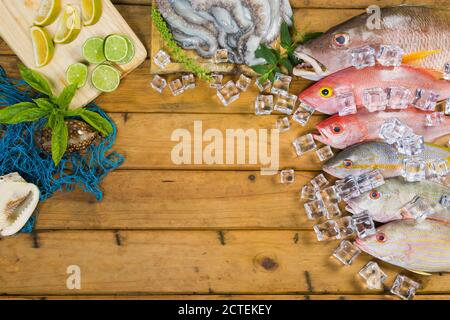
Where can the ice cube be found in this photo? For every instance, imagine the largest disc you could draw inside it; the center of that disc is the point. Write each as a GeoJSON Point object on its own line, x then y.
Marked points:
{"type": "Point", "coordinates": [447, 71]}
{"type": "Point", "coordinates": [158, 83]}
{"type": "Point", "coordinates": [287, 176]}
{"type": "Point", "coordinates": [283, 124]}
{"type": "Point", "coordinates": [281, 84]}
{"type": "Point", "coordinates": [325, 153]}
{"type": "Point", "coordinates": [188, 81]}
{"type": "Point", "coordinates": [162, 59]}
{"type": "Point", "coordinates": [374, 276]}
{"type": "Point", "coordinates": [346, 252]}
{"type": "Point", "coordinates": [434, 119]}
{"type": "Point", "coordinates": [392, 130]}
{"type": "Point", "coordinates": [308, 192]}
{"type": "Point", "coordinates": [221, 56]}
{"type": "Point", "coordinates": [445, 201]}
{"type": "Point", "coordinates": [228, 93]}
{"type": "Point", "coordinates": [425, 99]}
{"type": "Point", "coordinates": [390, 55]}
{"type": "Point", "coordinates": [216, 81]}
{"type": "Point", "coordinates": [418, 208]}
{"type": "Point", "coordinates": [176, 86]}
{"type": "Point", "coordinates": [364, 224]}
{"type": "Point", "coordinates": [304, 144]}
{"type": "Point", "coordinates": [264, 87]}
{"type": "Point", "coordinates": [263, 104]}
{"type": "Point", "coordinates": [243, 83]}
{"type": "Point", "coordinates": [411, 144]}
{"type": "Point", "coordinates": [333, 211]}
{"type": "Point", "coordinates": [346, 227]}
{"type": "Point", "coordinates": [315, 209]}
{"type": "Point", "coordinates": [319, 181]}
{"type": "Point", "coordinates": [375, 99]}
{"type": "Point", "coordinates": [346, 104]}
{"type": "Point", "coordinates": [447, 107]}
{"type": "Point", "coordinates": [329, 196]}
{"type": "Point", "coordinates": [327, 230]}
{"type": "Point", "coordinates": [347, 188]}
{"type": "Point", "coordinates": [369, 181]}
{"type": "Point", "coordinates": [414, 169]}
{"type": "Point", "coordinates": [303, 114]}
{"type": "Point", "coordinates": [404, 287]}
{"type": "Point", "coordinates": [286, 103]}
{"type": "Point", "coordinates": [398, 97]}
{"type": "Point", "coordinates": [363, 57]}
{"type": "Point", "coordinates": [437, 168]}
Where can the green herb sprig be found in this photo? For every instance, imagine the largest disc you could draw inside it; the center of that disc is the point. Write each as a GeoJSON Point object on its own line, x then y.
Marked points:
{"type": "Point", "coordinates": [176, 52]}
{"type": "Point", "coordinates": [281, 60]}
{"type": "Point", "coordinates": [55, 109]}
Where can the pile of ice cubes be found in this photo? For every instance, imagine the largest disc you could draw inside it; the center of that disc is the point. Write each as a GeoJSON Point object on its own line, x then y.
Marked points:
{"type": "Point", "coordinates": [366, 56]}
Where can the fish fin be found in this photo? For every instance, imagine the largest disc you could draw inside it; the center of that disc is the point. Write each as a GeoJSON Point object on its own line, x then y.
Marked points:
{"type": "Point", "coordinates": [422, 273]}
{"type": "Point", "coordinates": [414, 57]}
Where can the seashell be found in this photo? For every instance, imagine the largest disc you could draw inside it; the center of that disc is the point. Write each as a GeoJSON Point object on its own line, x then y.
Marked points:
{"type": "Point", "coordinates": [18, 200]}
{"type": "Point", "coordinates": [81, 136]}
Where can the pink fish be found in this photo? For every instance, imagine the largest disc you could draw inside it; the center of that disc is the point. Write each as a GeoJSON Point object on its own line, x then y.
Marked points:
{"type": "Point", "coordinates": [342, 132]}
{"type": "Point", "coordinates": [322, 95]}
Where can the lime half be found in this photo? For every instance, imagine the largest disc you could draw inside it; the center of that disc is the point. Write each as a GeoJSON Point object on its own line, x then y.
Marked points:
{"type": "Point", "coordinates": [77, 73]}
{"type": "Point", "coordinates": [116, 48]}
{"type": "Point", "coordinates": [69, 25]}
{"type": "Point", "coordinates": [91, 11]}
{"type": "Point", "coordinates": [48, 12]}
{"type": "Point", "coordinates": [93, 50]}
{"type": "Point", "coordinates": [105, 78]}
{"type": "Point", "coordinates": [42, 45]}
{"type": "Point", "coordinates": [130, 53]}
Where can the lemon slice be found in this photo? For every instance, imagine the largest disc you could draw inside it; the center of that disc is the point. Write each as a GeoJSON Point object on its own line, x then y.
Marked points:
{"type": "Point", "coordinates": [105, 78]}
{"type": "Point", "coordinates": [48, 12]}
{"type": "Point", "coordinates": [69, 26]}
{"type": "Point", "coordinates": [91, 11]}
{"type": "Point", "coordinates": [77, 73]}
{"type": "Point", "coordinates": [42, 45]}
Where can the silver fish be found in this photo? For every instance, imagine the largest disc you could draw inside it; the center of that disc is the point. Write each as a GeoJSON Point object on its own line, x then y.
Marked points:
{"type": "Point", "coordinates": [418, 247]}
{"type": "Point", "coordinates": [384, 202]}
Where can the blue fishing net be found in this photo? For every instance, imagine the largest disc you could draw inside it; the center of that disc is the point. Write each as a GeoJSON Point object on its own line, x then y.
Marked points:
{"type": "Point", "coordinates": [19, 153]}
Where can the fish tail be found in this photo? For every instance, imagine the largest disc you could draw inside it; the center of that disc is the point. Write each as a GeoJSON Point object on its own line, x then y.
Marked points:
{"type": "Point", "coordinates": [414, 57]}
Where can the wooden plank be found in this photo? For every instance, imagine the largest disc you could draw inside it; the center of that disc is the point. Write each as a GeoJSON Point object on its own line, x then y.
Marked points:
{"type": "Point", "coordinates": [17, 18]}
{"type": "Point", "coordinates": [181, 200]}
{"type": "Point", "coordinates": [180, 262]}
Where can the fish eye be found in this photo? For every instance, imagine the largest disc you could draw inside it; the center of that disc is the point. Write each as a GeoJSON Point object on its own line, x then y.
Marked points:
{"type": "Point", "coordinates": [336, 129]}
{"type": "Point", "coordinates": [374, 195]}
{"type": "Point", "coordinates": [326, 92]}
{"type": "Point", "coordinates": [347, 163]}
{"type": "Point", "coordinates": [341, 40]}
{"type": "Point", "coordinates": [381, 237]}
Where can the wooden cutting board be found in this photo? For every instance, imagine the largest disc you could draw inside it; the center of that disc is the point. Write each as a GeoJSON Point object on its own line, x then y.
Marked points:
{"type": "Point", "coordinates": [16, 19]}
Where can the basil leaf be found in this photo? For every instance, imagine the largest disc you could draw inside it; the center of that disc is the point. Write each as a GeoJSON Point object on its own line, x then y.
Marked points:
{"type": "Point", "coordinates": [45, 104]}
{"type": "Point", "coordinates": [293, 58]}
{"type": "Point", "coordinates": [51, 121]}
{"type": "Point", "coordinates": [60, 137]}
{"type": "Point", "coordinates": [74, 113]}
{"type": "Point", "coordinates": [266, 53]}
{"type": "Point", "coordinates": [35, 80]}
{"type": "Point", "coordinates": [311, 36]}
{"type": "Point", "coordinates": [66, 96]}
{"type": "Point", "coordinates": [287, 64]}
{"type": "Point", "coordinates": [286, 39]}
{"type": "Point", "coordinates": [8, 113]}
{"type": "Point", "coordinates": [28, 115]}
{"type": "Point", "coordinates": [261, 68]}
{"type": "Point", "coordinates": [98, 122]}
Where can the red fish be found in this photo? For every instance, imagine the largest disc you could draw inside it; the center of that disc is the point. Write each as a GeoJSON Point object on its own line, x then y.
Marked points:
{"type": "Point", "coordinates": [322, 95]}
{"type": "Point", "coordinates": [341, 132]}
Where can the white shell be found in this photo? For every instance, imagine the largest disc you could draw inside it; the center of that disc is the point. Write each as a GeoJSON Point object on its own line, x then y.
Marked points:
{"type": "Point", "coordinates": [25, 197]}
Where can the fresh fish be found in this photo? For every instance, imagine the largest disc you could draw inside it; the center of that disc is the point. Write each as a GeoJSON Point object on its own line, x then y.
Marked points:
{"type": "Point", "coordinates": [18, 200]}
{"type": "Point", "coordinates": [341, 132]}
{"type": "Point", "coordinates": [365, 157]}
{"type": "Point", "coordinates": [322, 95]}
{"type": "Point", "coordinates": [413, 28]}
{"type": "Point", "coordinates": [384, 202]}
{"type": "Point", "coordinates": [418, 247]}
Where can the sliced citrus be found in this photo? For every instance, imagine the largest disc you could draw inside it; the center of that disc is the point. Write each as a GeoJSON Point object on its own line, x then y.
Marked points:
{"type": "Point", "coordinates": [69, 26]}
{"type": "Point", "coordinates": [93, 50]}
{"type": "Point", "coordinates": [42, 45]}
{"type": "Point", "coordinates": [116, 48]}
{"type": "Point", "coordinates": [48, 12]}
{"type": "Point", "coordinates": [105, 78]}
{"type": "Point", "coordinates": [130, 53]}
{"type": "Point", "coordinates": [91, 11]}
{"type": "Point", "coordinates": [77, 73]}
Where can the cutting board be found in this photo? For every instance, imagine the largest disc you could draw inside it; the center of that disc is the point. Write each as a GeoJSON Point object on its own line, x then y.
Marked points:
{"type": "Point", "coordinates": [16, 19]}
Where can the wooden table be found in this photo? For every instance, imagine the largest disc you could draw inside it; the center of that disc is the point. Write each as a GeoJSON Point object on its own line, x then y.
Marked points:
{"type": "Point", "coordinates": [167, 232]}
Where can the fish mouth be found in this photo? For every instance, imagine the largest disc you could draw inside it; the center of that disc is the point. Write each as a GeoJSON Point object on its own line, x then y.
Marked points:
{"type": "Point", "coordinates": [310, 68]}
